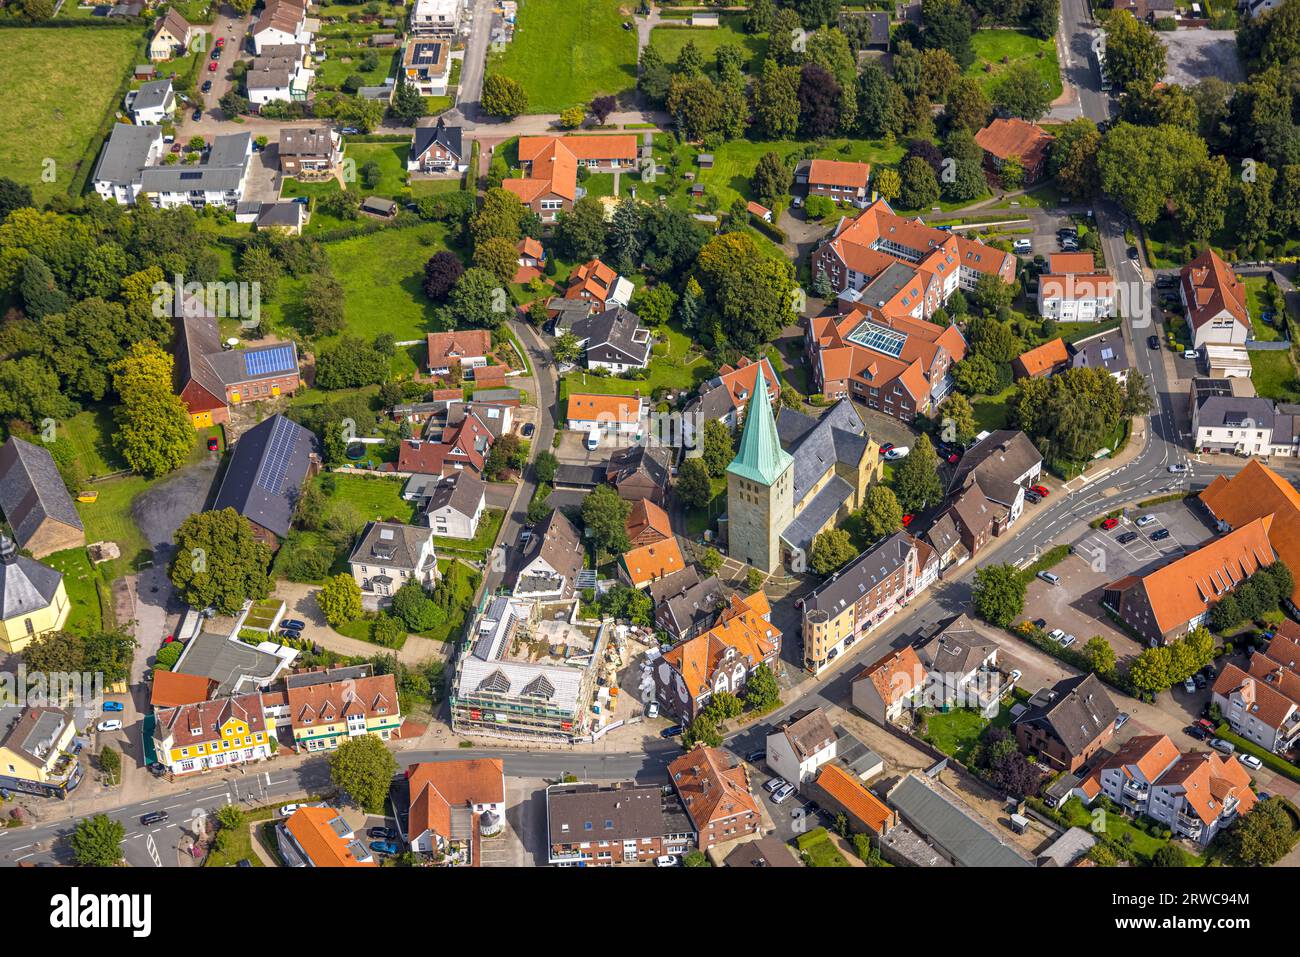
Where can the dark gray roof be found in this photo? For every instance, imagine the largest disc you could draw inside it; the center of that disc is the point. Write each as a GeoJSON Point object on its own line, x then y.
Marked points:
{"type": "Point", "coordinates": [814, 516]}
{"type": "Point", "coordinates": [879, 28]}
{"type": "Point", "coordinates": [763, 852]}
{"type": "Point", "coordinates": [281, 214]}
{"type": "Point", "coordinates": [224, 168]}
{"type": "Point", "coordinates": [816, 445]}
{"type": "Point", "coordinates": [675, 584]}
{"type": "Point", "coordinates": [152, 95]}
{"type": "Point", "coordinates": [1105, 351]}
{"type": "Point", "coordinates": [860, 575]}
{"type": "Point", "coordinates": [1004, 455]}
{"type": "Point", "coordinates": [581, 476]}
{"type": "Point", "coordinates": [33, 731]}
{"type": "Point", "coordinates": [391, 544]}
{"type": "Point", "coordinates": [448, 137]}
{"type": "Point", "coordinates": [266, 473]}
{"type": "Point", "coordinates": [461, 492]}
{"type": "Point", "coordinates": [943, 534]}
{"type": "Point", "coordinates": [579, 813]}
{"type": "Point", "coordinates": [1235, 412]}
{"type": "Point", "coordinates": [613, 335]}
{"type": "Point", "coordinates": [32, 490]}
{"type": "Point", "coordinates": [557, 543]}
{"type": "Point", "coordinates": [695, 605]}
{"type": "Point", "coordinates": [891, 280]}
{"type": "Point", "coordinates": [377, 204]}
{"type": "Point", "coordinates": [323, 676]}
{"type": "Point", "coordinates": [1075, 710]}
{"type": "Point", "coordinates": [626, 462]}
{"type": "Point", "coordinates": [306, 141]}
{"type": "Point", "coordinates": [950, 827]}
{"type": "Point", "coordinates": [227, 662]}
{"type": "Point", "coordinates": [26, 585]}
{"type": "Point", "coordinates": [956, 649]}
{"type": "Point", "coordinates": [126, 152]}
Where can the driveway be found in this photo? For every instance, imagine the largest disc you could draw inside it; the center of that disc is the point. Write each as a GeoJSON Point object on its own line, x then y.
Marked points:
{"type": "Point", "coordinates": [300, 602]}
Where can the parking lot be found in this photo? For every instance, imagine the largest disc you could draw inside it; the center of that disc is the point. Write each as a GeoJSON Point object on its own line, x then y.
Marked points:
{"type": "Point", "coordinates": [1073, 603]}
{"type": "Point", "coordinates": [1193, 55]}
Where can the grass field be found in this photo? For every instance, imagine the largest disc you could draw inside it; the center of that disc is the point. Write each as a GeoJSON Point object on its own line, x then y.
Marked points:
{"type": "Point", "coordinates": [489, 526]}
{"type": "Point", "coordinates": [376, 499]}
{"type": "Point", "coordinates": [58, 84]}
{"type": "Point", "coordinates": [818, 851]}
{"type": "Point", "coordinates": [992, 45]}
{"type": "Point", "coordinates": [1274, 375]}
{"type": "Point", "coordinates": [79, 582]}
{"type": "Point", "coordinates": [344, 61]}
{"type": "Point", "coordinates": [670, 40]}
{"type": "Point", "coordinates": [956, 732]}
{"type": "Point", "coordinates": [391, 160]}
{"type": "Point", "coordinates": [566, 52]}
{"type": "Point", "coordinates": [1255, 290]}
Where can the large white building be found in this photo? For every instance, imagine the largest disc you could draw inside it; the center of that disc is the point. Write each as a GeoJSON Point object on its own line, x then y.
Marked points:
{"type": "Point", "coordinates": [435, 18]}
{"type": "Point", "coordinates": [152, 104]}
{"type": "Point", "coordinates": [131, 166]}
{"type": "Point", "coordinates": [800, 745]}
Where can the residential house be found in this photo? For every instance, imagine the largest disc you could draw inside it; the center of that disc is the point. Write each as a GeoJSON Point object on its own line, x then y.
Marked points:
{"type": "Point", "coordinates": [1253, 8]}
{"type": "Point", "coordinates": [762, 852]}
{"type": "Point", "coordinates": [1262, 703]}
{"type": "Point", "coordinates": [131, 166]}
{"type": "Point", "coordinates": [454, 506]}
{"type": "Point", "coordinates": [288, 217]}
{"type": "Point", "coordinates": [325, 712]}
{"type": "Point", "coordinates": [944, 537]}
{"type": "Point", "coordinates": [1254, 492]}
{"type": "Point", "coordinates": [685, 605]}
{"type": "Point", "coordinates": [725, 397]}
{"type": "Point", "coordinates": [838, 180]}
{"type": "Point", "coordinates": [128, 151]}
{"type": "Point", "coordinates": [1065, 725]}
{"type": "Point", "coordinates": [1041, 361]}
{"type": "Point", "coordinates": [612, 339]}
{"type": "Point", "coordinates": [799, 746]}
{"type": "Point", "coordinates": [265, 475]}
{"type": "Point", "coordinates": [890, 686]}
{"type": "Point", "coordinates": [590, 825]}
{"type": "Point", "coordinates": [641, 566]}
{"type": "Point", "coordinates": [1152, 10]}
{"type": "Point", "coordinates": [960, 836]}
{"type": "Point", "coordinates": [861, 596]}
{"type": "Point", "coordinates": [212, 735]}
{"type": "Point", "coordinates": [281, 22]}
{"type": "Point", "coordinates": [316, 150]}
{"type": "Point", "coordinates": [961, 668]}
{"type": "Point", "coordinates": [426, 65]}
{"type": "Point", "coordinates": [550, 163]}
{"type": "Point", "coordinates": [714, 790]}
{"type": "Point", "coordinates": [435, 18]}
{"type": "Point", "coordinates": [171, 38]}
{"type": "Point", "coordinates": [33, 599]}
{"type": "Point", "coordinates": [840, 792]}
{"type": "Point", "coordinates": [212, 379]}
{"type": "Point", "coordinates": [1239, 426]}
{"type": "Point", "coordinates": [279, 74]}
{"type": "Point", "coordinates": [38, 751]}
{"type": "Point", "coordinates": [1106, 351]}
{"type": "Point", "coordinates": [437, 149]}
{"type": "Point", "coordinates": [595, 283]}
{"type": "Point", "coordinates": [1007, 138]}
{"type": "Point", "coordinates": [152, 104]}
{"type": "Point", "coordinates": [647, 524]}
{"type": "Point", "coordinates": [35, 502]}
{"type": "Point", "coordinates": [453, 805]}
{"type": "Point", "coordinates": [466, 348]}
{"type": "Point", "coordinates": [461, 443]}
{"type": "Point", "coordinates": [1171, 601]}
{"type": "Point", "coordinates": [1073, 289]}
{"type": "Point", "coordinates": [388, 555]}
{"type": "Point", "coordinates": [720, 659]}
{"type": "Point", "coordinates": [640, 472]}
{"type": "Point", "coordinates": [1214, 301]}
{"type": "Point", "coordinates": [987, 492]}
{"type": "Point", "coordinates": [617, 415]}
{"type": "Point", "coordinates": [319, 836]}
{"type": "Point", "coordinates": [233, 667]}
{"type": "Point", "coordinates": [551, 560]}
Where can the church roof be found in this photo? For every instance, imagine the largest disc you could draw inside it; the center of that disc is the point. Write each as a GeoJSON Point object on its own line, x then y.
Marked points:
{"type": "Point", "coordinates": [761, 458]}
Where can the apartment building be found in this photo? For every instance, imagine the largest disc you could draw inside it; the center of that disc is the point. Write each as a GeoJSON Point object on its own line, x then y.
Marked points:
{"type": "Point", "coordinates": [591, 825]}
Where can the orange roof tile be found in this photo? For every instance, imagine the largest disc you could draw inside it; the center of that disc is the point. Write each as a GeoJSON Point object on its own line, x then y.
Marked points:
{"type": "Point", "coordinates": [1265, 703]}
{"type": "Point", "coordinates": [332, 701]}
{"type": "Point", "coordinates": [1043, 358]}
{"type": "Point", "coordinates": [711, 787]}
{"type": "Point", "coordinates": [1210, 288]}
{"type": "Point", "coordinates": [171, 690]}
{"type": "Point", "coordinates": [896, 675]}
{"type": "Point", "coordinates": [1005, 138]}
{"type": "Point", "coordinates": [839, 173]}
{"type": "Point", "coordinates": [1252, 493]}
{"type": "Point", "coordinates": [648, 519]}
{"type": "Point", "coordinates": [1152, 754]}
{"type": "Point", "coordinates": [855, 798]}
{"type": "Point", "coordinates": [438, 786]}
{"type": "Point", "coordinates": [310, 827]}
{"type": "Point", "coordinates": [741, 627]}
{"type": "Point", "coordinates": [589, 407]}
{"type": "Point", "coordinates": [652, 562]}
{"type": "Point", "coordinates": [1062, 264]}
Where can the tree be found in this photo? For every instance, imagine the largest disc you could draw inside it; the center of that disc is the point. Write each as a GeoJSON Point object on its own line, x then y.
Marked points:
{"type": "Point", "coordinates": [154, 431]}
{"type": "Point", "coordinates": [1135, 54]}
{"type": "Point", "coordinates": [499, 257]}
{"type": "Point", "coordinates": [819, 101]}
{"type": "Point", "coordinates": [881, 513]}
{"type": "Point", "coordinates": [322, 305]}
{"type": "Point", "coordinates": [97, 842]}
{"type": "Point", "coordinates": [625, 603]}
{"type": "Point", "coordinates": [1072, 157]}
{"type": "Point", "coordinates": [412, 604]}
{"type": "Point", "coordinates": [719, 447]}
{"type": "Point", "coordinates": [340, 599]}
{"type": "Point", "coordinates": [580, 232]}
{"type": "Point", "coordinates": [441, 273]}
{"type": "Point", "coordinates": [350, 363]}
{"type": "Point", "coordinates": [1100, 655]}
{"type": "Point", "coordinates": [1149, 671]}
{"type": "Point", "coordinates": [508, 453]}
{"type": "Point", "coordinates": [830, 549]}
{"type": "Point", "coordinates": [503, 97]}
{"type": "Point", "coordinates": [702, 731]}
{"type": "Point", "coordinates": [501, 215]}
{"type": "Point", "coordinates": [13, 195]}
{"type": "Point", "coordinates": [473, 300]}
{"type": "Point", "coordinates": [1169, 855]}
{"type": "Point", "coordinates": [602, 107]}
{"type": "Point", "coordinates": [916, 480]}
{"type": "Point", "coordinates": [771, 180]}
{"type": "Point", "coordinates": [709, 559]}
{"type": "Point", "coordinates": [604, 516]}
{"type": "Point", "coordinates": [998, 595]}
{"type": "Point", "coordinates": [1264, 836]}
{"type": "Point", "coordinates": [920, 188]}
{"type": "Point", "coordinates": [654, 76]}
{"type": "Point", "coordinates": [749, 293]}
{"type": "Point", "coordinates": [573, 117]}
{"type": "Point", "coordinates": [948, 27]}
{"type": "Point", "coordinates": [1012, 173]}
{"type": "Point", "coordinates": [967, 106]}
{"type": "Point", "coordinates": [565, 348]}
{"type": "Point", "coordinates": [623, 237]}
{"type": "Point", "coordinates": [758, 18]}
{"type": "Point", "coordinates": [958, 423]}
{"type": "Point", "coordinates": [218, 562]}
{"type": "Point", "coordinates": [1022, 91]}
{"type": "Point", "coordinates": [762, 693]}
{"type": "Point", "coordinates": [690, 61]}
{"type": "Point", "coordinates": [887, 183]}
{"type": "Point", "coordinates": [693, 486]}
{"type": "Point", "coordinates": [41, 294]}
{"type": "Point", "coordinates": [364, 768]}
{"type": "Point", "coordinates": [655, 305]}
{"type": "Point", "coordinates": [754, 580]}
{"type": "Point", "coordinates": [776, 100]}
{"type": "Point", "coordinates": [408, 105]}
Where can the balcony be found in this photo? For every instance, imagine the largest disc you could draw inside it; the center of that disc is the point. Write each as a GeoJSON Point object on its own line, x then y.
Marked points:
{"type": "Point", "coordinates": [1189, 825]}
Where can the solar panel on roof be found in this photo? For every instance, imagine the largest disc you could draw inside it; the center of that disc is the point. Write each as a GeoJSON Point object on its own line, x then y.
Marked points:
{"type": "Point", "coordinates": [270, 475]}
{"type": "Point", "coordinates": [879, 339]}
{"type": "Point", "coordinates": [269, 361]}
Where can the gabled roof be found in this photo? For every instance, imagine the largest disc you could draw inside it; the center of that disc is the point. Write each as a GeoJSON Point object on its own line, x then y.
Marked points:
{"type": "Point", "coordinates": [807, 732]}
{"type": "Point", "coordinates": [895, 675]}
{"type": "Point", "coordinates": [32, 490]}
{"type": "Point", "coordinates": [554, 162]}
{"type": "Point", "coordinates": [448, 137]}
{"type": "Point", "coordinates": [191, 724]}
{"type": "Point", "coordinates": [741, 628]}
{"type": "Point", "coordinates": [838, 173]}
{"type": "Point", "coordinates": [172, 689]}
{"type": "Point", "coordinates": [1076, 711]}
{"type": "Point", "coordinates": [265, 475]}
{"type": "Point", "coordinates": [957, 649]}
{"type": "Point", "coordinates": [325, 838]}
{"type": "Point", "coordinates": [1042, 358]}
{"type": "Point", "coordinates": [1252, 493]}
{"type": "Point", "coordinates": [1151, 755]}
{"type": "Point", "coordinates": [861, 575]}
{"type": "Point", "coordinates": [392, 545]}
{"type": "Point", "coordinates": [329, 702]}
{"type": "Point", "coordinates": [711, 786]}
{"type": "Point", "coordinates": [653, 561]}
{"type": "Point", "coordinates": [26, 586]}
{"type": "Point", "coordinates": [853, 796]}
{"type": "Point", "coordinates": [1012, 136]}
{"type": "Point", "coordinates": [435, 787]}
{"type": "Point", "coordinates": [462, 343]}
{"type": "Point", "coordinates": [461, 493]}
{"type": "Point", "coordinates": [760, 457]}
{"type": "Point", "coordinates": [307, 141]}
{"type": "Point", "coordinates": [1210, 288]}
{"type": "Point", "coordinates": [645, 517]}
{"type": "Point", "coordinates": [175, 24]}
{"type": "Point", "coordinates": [588, 407]}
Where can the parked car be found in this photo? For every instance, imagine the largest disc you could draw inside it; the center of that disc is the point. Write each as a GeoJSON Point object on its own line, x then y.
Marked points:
{"type": "Point", "coordinates": [1250, 761]}
{"type": "Point", "coordinates": [1195, 731]}
{"type": "Point", "coordinates": [672, 732]}
{"type": "Point", "coordinates": [1153, 342]}
{"type": "Point", "coordinates": [112, 724]}
{"type": "Point", "coordinates": [783, 794]}
{"type": "Point", "coordinates": [897, 452]}
{"type": "Point", "coordinates": [154, 817]}
{"type": "Point", "coordinates": [755, 756]}
{"type": "Point", "coordinates": [773, 785]}
{"type": "Point", "coordinates": [1133, 252]}
{"type": "Point", "coordinates": [221, 42]}
{"type": "Point", "coordinates": [349, 131]}
{"type": "Point", "coordinates": [1109, 523]}
{"type": "Point", "coordinates": [886, 448]}
{"type": "Point", "coordinates": [293, 624]}
{"type": "Point", "coordinates": [382, 833]}
{"type": "Point", "coordinates": [212, 66]}
{"type": "Point", "coordinates": [1189, 686]}
{"type": "Point", "coordinates": [215, 54]}
{"type": "Point", "coordinates": [291, 633]}
{"type": "Point", "coordinates": [907, 519]}
{"type": "Point", "coordinates": [1022, 246]}
{"type": "Point", "coordinates": [1039, 490]}
{"type": "Point", "coordinates": [1033, 498]}
{"type": "Point", "coordinates": [1068, 640]}
{"type": "Point", "coordinates": [528, 429]}
{"type": "Point", "coordinates": [1190, 353]}
{"type": "Point", "coordinates": [207, 86]}
{"type": "Point", "coordinates": [1057, 634]}
{"type": "Point", "coordinates": [384, 847]}
{"type": "Point", "coordinates": [288, 809]}
{"type": "Point", "coordinates": [1159, 535]}
{"type": "Point", "coordinates": [1166, 281]}
{"type": "Point", "coordinates": [1049, 577]}
{"type": "Point", "coordinates": [1200, 680]}
{"type": "Point", "coordinates": [114, 706]}
{"type": "Point", "coordinates": [1227, 747]}
{"type": "Point", "coordinates": [1145, 520]}
{"type": "Point", "coordinates": [196, 115]}
{"type": "Point", "coordinates": [1176, 469]}
{"type": "Point", "coordinates": [1127, 537]}
{"type": "Point", "coordinates": [1121, 719]}
{"type": "Point", "coordinates": [667, 860]}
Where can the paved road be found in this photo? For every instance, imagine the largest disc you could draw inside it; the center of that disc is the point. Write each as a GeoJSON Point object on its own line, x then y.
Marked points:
{"type": "Point", "coordinates": [472, 69]}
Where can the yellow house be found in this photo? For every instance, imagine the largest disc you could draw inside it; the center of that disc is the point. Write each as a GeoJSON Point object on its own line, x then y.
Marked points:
{"type": "Point", "coordinates": [35, 751]}
{"type": "Point", "coordinates": [33, 601]}
{"type": "Point", "coordinates": [326, 714]}
{"type": "Point", "coordinates": [212, 734]}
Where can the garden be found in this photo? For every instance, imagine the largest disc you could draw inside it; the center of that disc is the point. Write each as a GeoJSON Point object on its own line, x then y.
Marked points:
{"type": "Point", "coordinates": [997, 51]}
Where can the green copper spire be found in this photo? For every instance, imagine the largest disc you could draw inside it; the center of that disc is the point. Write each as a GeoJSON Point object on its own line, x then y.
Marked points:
{"type": "Point", "coordinates": [761, 458]}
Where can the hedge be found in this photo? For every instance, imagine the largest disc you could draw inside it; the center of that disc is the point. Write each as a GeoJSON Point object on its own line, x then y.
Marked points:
{"type": "Point", "coordinates": [1271, 760]}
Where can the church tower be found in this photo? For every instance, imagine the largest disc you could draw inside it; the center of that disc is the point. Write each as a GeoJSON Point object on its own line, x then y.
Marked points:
{"type": "Point", "coordinates": [760, 487]}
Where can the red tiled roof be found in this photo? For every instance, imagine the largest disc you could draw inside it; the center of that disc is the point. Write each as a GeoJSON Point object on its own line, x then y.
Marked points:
{"type": "Point", "coordinates": [1005, 138]}
{"type": "Point", "coordinates": [1211, 288]}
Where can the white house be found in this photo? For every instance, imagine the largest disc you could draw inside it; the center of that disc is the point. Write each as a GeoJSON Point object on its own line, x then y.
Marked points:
{"type": "Point", "coordinates": [800, 745]}
{"type": "Point", "coordinates": [281, 22]}
{"type": "Point", "coordinates": [1214, 301]}
{"type": "Point", "coordinates": [218, 181]}
{"type": "Point", "coordinates": [1073, 291]}
{"type": "Point", "coordinates": [172, 37]}
{"type": "Point", "coordinates": [388, 555]}
{"type": "Point", "coordinates": [960, 665]}
{"type": "Point", "coordinates": [456, 505]}
{"type": "Point", "coordinates": [127, 153]}
{"type": "Point", "coordinates": [1240, 425]}
{"type": "Point", "coordinates": [152, 104]}
{"type": "Point", "coordinates": [606, 414]}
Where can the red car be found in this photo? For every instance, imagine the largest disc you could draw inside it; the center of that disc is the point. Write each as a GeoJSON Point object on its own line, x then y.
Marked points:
{"type": "Point", "coordinates": [1040, 489]}
{"type": "Point", "coordinates": [169, 639]}
{"type": "Point", "coordinates": [212, 443]}
{"type": "Point", "coordinates": [907, 520]}
{"type": "Point", "coordinates": [954, 458]}
{"type": "Point", "coordinates": [1110, 523]}
{"type": "Point", "coordinates": [221, 42]}
{"type": "Point", "coordinates": [212, 66]}
{"type": "Point", "coordinates": [886, 447]}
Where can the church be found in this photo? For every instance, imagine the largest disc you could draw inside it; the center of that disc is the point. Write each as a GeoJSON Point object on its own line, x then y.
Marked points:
{"type": "Point", "coordinates": [792, 478]}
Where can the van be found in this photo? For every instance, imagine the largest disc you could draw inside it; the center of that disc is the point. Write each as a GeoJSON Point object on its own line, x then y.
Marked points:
{"type": "Point", "coordinates": [1049, 577]}
{"type": "Point", "coordinates": [593, 440]}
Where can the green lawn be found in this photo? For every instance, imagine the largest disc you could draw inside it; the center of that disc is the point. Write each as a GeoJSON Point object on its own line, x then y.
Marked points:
{"type": "Point", "coordinates": [565, 52]}
{"type": "Point", "coordinates": [992, 45]}
{"type": "Point", "coordinates": [79, 581]}
{"type": "Point", "coordinates": [1274, 376]}
{"type": "Point", "coordinates": [375, 499]}
{"type": "Point", "coordinates": [488, 527]}
{"type": "Point", "coordinates": [818, 851]}
{"type": "Point", "coordinates": [670, 40]}
{"type": "Point", "coordinates": [991, 410]}
{"type": "Point", "coordinates": [344, 61]}
{"type": "Point", "coordinates": [90, 433]}
{"type": "Point", "coordinates": [955, 733]}
{"type": "Point", "coordinates": [1255, 290]}
{"type": "Point", "coordinates": [1121, 828]}
{"type": "Point", "coordinates": [58, 86]}
{"type": "Point", "coordinates": [391, 160]}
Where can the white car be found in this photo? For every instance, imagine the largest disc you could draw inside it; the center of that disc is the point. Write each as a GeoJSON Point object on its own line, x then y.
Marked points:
{"type": "Point", "coordinates": [1015, 675]}
{"type": "Point", "coordinates": [1057, 634]}
{"type": "Point", "coordinates": [774, 785]}
{"type": "Point", "coordinates": [1023, 246]}
{"type": "Point", "coordinates": [897, 452]}
{"type": "Point", "coordinates": [783, 794]}
{"type": "Point", "coordinates": [1189, 686]}
{"type": "Point", "coordinates": [1190, 353]}
{"type": "Point", "coordinates": [1178, 468]}
{"type": "Point", "coordinates": [288, 809]}
{"type": "Point", "coordinates": [110, 725]}
{"type": "Point", "coordinates": [1068, 640]}
{"type": "Point", "coordinates": [1145, 520]}
{"type": "Point", "coordinates": [1250, 761]}
{"type": "Point", "coordinates": [666, 860]}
